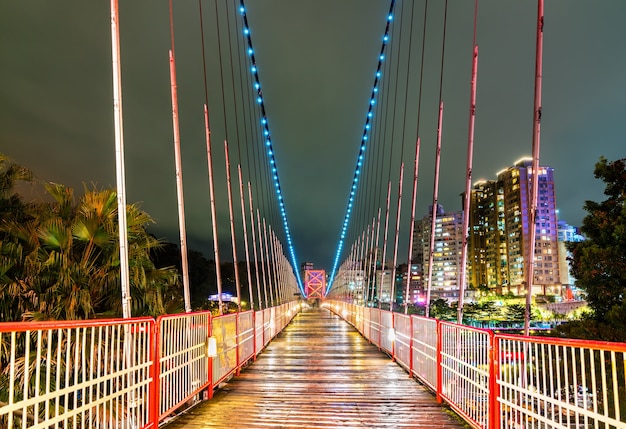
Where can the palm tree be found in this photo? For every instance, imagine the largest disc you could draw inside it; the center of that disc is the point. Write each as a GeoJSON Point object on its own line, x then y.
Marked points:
{"type": "Point", "coordinates": [80, 254]}
{"type": "Point", "coordinates": [13, 212]}
{"type": "Point", "coordinates": [60, 259]}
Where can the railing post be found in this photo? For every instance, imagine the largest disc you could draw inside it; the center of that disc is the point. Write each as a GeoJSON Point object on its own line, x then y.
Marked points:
{"type": "Point", "coordinates": [439, 369]}
{"type": "Point", "coordinates": [494, 374]}
{"type": "Point", "coordinates": [155, 404]}
{"type": "Point", "coordinates": [253, 334]}
{"type": "Point", "coordinates": [410, 346]}
{"type": "Point", "coordinates": [380, 329]}
{"type": "Point", "coordinates": [393, 343]}
{"type": "Point", "coordinates": [262, 328]}
{"type": "Point", "coordinates": [237, 344]}
{"type": "Point", "coordinates": [210, 358]}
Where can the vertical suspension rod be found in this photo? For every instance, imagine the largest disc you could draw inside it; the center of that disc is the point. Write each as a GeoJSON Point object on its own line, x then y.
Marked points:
{"type": "Point", "coordinates": [431, 250]}
{"type": "Point", "coordinates": [245, 236]}
{"type": "Point", "coordinates": [530, 261]}
{"type": "Point", "coordinates": [267, 261]}
{"type": "Point", "coordinates": [231, 217]}
{"type": "Point", "coordinates": [216, 252]}
{"type": "Point", "coordinates": [119, 160]}
{"type": "Point", "coordinates": [179, 184]}
{"type": "Point", "coordinates": [412, 226]}
{"type": "Point", "coordinates": [254, 247]}
{"type": "Point", "coordinates": [262, 253]}
{"type": "Point", "coordinates": [395, 246]}
{"type": "Point", "coordinates": [382, 262]}
{"type": "Point", "coordinates": [468, 187]}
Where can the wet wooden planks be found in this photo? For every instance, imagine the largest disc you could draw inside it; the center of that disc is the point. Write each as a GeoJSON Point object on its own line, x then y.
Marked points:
{"type": "Point", "coordinates": [320, 373]}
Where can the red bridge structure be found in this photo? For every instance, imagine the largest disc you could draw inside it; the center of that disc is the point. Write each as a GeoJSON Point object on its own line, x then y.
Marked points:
{"type": "Point", "coordinates": [315, 283]}
{"type": "Point", "coordinates": [339, 365]}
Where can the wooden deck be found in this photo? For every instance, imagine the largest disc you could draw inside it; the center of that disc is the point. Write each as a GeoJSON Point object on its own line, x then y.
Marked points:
{"type": "Point", "coordinates": [320, 373]}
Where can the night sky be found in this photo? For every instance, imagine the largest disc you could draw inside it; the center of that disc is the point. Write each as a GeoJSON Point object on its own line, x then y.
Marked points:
{"type": "Point", "coordinates": [316, 61]}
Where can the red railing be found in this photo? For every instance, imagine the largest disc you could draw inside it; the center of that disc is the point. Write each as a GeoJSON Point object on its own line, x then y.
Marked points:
{"type": "Point", "coordinates": [78, 374]}
{"type": "Point", "coordinates": [499, 381]}
{"type": "Point", "coordinates": [137, 372]}
{"type": "Point", "coordinates": [124, 372]}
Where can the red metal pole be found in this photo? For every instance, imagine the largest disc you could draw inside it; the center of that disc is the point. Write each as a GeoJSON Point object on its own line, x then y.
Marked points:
{"type": "Point", "coordinates": [376, 257]}
{"type": "Point", "coordinates": [155, 374]}
{"type": "Point", "coordinates": [410, 346]}
{"type": "Point", "coordinates": [245, 236]}
{"type": "Point", "coordinates": [238, 344]}
{"type": "Point", "coordinates": [534, 191]}
{"type": "Point", "coordinates": [216, 252]}
{"type": "Point", "coordinates": [382, 273]}
{"type": "Point", "coordinates": [366, 270]}
{"type": "Point", "coordinates": [412, 227]}
{"type": "Point", "coordinates": [392, 296]}
{"type": "Point", "coordinates": [254, 247]}
{"type": "Point", "coordinates": [439, 369]}
{"type": "Point", "coordinates": [254, 349]}
{"type": "Point", "coordinates": [210, 360]}
{"type": "Point", "coordinates": [262, 253]}
{"type": "Point", "coordinates": [434, 210]}
{"type": "Point", "coordinates": [231, 216]}
{"type": "Point", "coordinates": [393, 343]}
{"type": "Point", "coordinates": [494, 375]}
{"type": "Point", "coordinates": [468, 183]}
{"type": "Point", "coordinates": [179, 185]}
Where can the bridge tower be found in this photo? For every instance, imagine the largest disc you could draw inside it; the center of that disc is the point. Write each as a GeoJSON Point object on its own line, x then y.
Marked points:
{"type": "Point", "coordinates": [315, 283]}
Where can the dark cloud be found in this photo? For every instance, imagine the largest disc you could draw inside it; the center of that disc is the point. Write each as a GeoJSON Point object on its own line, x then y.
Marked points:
{"type": "Point", "coordinates": [316, 61]}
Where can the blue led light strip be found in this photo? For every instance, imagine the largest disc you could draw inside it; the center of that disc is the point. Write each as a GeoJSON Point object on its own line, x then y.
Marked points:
{"type": "Point", "coordinates": [268, 141]}
{"type": "Point", "coordinates": [361, 157]}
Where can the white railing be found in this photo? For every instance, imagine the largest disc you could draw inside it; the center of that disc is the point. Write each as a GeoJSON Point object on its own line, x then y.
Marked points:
{"type": "Point", "coordinates": [561, 383]}
{"type": "Point", "coordinates": [124, 373]}
{"type": "Point", "coordinates": [402, 339]}
{"type": "Point", "coordinates": [464, 361]}
{"type": "Point", "coordinates": [77, 374]}
{"type": "Point", "coordinates": [183, 362]}
{"type": "Point", "coordinates": [424, 339]}
{"type": "Point", "coordinates": [499, 381]}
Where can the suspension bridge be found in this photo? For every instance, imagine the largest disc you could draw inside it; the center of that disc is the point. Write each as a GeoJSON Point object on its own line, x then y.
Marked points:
{"type": "Point", "coordinates": [335, 358]}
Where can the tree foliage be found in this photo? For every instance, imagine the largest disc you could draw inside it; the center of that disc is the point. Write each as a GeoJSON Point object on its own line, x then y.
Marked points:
{"type": "Point", "coordinates": [59, 259]}
{"type": "Point", "coordinates": [599, 262]}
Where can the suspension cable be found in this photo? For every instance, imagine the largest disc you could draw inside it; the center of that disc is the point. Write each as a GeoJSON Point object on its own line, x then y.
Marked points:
{"type": "Point", "coordinates": [361, 155]}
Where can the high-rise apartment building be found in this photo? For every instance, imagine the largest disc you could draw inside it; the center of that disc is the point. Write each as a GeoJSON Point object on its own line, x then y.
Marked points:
{"type": "Point", "coordinates": [499, 232]}
{"type": "Point", "coordinates": [567, 233]}
{"type": "Point", "coordinates": [499, 239]}
{"type": "Point", "coordinates": [487, 256]}
{"type": "Point", "coordinates": [448, 243]}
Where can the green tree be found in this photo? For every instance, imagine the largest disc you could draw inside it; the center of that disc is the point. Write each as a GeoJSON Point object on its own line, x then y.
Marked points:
{"type": "Point", "coordinates": [60, 259]}
{"type": "Point", "coordinates": [202, 276]}
{"type": "Point", "coordinates": [439, 309]}
{"type": "Point", "coordinates": [483, 311]}
{"type": "Point", "coordinates": [13, 296]}
{"type": "Point", "coordinates": [599, 262]}
{"type": "Point", "coordinates": [515, 313]}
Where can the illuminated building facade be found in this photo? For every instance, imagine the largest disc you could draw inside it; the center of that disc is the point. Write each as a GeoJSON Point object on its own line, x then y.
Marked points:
{"type": "Point", "coordinates": [567, 233]}
{"type": "Point", "coordinates": [487, 255]}
{"type": "Point", "coordinates": [446, 255]}
{"type": "Point", "coordinates": [499, 232]}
